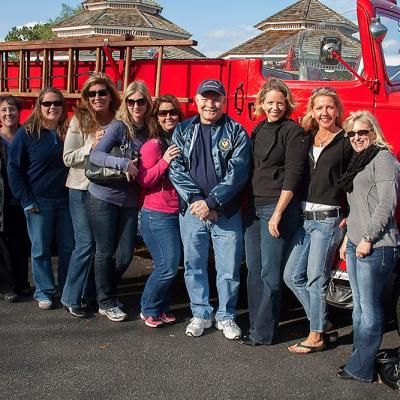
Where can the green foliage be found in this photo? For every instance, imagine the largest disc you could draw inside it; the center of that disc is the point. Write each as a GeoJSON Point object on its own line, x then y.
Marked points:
{"type": "Point", "coordinates": [42, 31]}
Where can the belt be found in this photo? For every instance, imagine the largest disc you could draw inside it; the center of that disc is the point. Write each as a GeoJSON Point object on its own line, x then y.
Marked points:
{"type": "Point", "coordinates": [321, 214]}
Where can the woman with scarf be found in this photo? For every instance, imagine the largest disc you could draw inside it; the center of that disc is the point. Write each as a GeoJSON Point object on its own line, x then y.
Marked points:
{"type": "Point", "coordinates": [370, 246]}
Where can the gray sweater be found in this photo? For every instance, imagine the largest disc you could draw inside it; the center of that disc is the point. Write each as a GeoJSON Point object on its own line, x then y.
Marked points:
{"type": "Point", "coordinates": [373, 202]}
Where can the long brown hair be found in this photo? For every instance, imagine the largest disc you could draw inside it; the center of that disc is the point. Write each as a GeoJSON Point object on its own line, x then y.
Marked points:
{"type": "Point", "coordinates": [87, 118]}
{"type": "Point", "coordinates": [125, 116]}
{"type": "Point", "coordinates": [35, 123]}
{"type": "Point", "coordinates": [155, 128]}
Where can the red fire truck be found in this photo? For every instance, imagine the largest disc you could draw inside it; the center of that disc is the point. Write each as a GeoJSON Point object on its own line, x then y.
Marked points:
{"type": "Point", "coordinates": [371, 83]}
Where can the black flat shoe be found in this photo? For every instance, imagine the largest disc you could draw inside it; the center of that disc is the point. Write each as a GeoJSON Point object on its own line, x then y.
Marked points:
{"type": "Point", "coordinates": [11, 297]}
{"type": "Point", "coordinates": [342, 374]}
{"type": "Point", "coordinates": [248, 341]}
{"type": "Point", "coordinates": [341, 368]}
{"type": "Point", "coordinates": [76, 312]}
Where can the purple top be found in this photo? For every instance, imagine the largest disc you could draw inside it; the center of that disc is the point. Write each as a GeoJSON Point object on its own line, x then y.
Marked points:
{"type": "Point", "coordinates": [123, 194]}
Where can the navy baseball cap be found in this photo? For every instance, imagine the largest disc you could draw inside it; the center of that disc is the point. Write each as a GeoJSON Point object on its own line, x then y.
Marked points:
{"type": "Point", "coordinates": [211, 85]}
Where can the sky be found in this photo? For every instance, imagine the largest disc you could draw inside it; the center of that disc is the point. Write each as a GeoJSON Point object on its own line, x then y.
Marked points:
{"type": "Point", "coordinates": [217, 25]}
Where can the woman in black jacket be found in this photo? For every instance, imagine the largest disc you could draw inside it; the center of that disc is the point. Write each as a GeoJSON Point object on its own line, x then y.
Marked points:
{"type": "Point", "coordinates": [279, 155]}
{"type": "Point", "coordinates": [314, 245]}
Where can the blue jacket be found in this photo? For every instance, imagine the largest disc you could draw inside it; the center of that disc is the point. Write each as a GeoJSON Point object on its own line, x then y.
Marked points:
{"type": "Point", "coordinates": [231, 151]}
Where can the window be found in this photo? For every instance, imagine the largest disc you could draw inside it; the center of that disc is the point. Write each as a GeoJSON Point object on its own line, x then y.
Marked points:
{"type": "Point", "coordinates": [391, 49]}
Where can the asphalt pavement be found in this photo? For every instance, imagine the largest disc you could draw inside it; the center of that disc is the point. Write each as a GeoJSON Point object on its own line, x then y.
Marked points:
{"type": "Point", "coordinates": [51, 355]}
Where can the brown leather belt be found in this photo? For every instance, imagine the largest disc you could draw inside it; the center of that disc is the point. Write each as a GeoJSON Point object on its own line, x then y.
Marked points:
{"type": "Point", "coordinates": [320, 215]}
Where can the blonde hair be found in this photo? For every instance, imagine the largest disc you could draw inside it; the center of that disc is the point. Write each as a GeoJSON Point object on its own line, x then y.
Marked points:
{"type": "Point", "coordinates": [125, 116]}
{"type": "Point", "coordinates": [279, 86]}
{"type": "Point", "coordinates": [369, 119]}
{"type": "Point", "coordinates": [85, 115]}
{"type": "Point", "coordinates": [36, 122]}
{"type": "Point", "coordinates": [308, 122]}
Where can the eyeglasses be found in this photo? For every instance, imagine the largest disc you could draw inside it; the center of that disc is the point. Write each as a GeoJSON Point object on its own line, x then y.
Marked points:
{"type": "Point", "coordinates": [361, 132]}
{"type": "Point", "coordinates": [140, 102]}
{"type": "Point", "coordinates": [327, 88]}
{"type": "Point", "coordinates": [101, 93]}
{"type": "Point", "coordinates": [55, 103]}
{"type": "Point", "coordinates": [173, 112]}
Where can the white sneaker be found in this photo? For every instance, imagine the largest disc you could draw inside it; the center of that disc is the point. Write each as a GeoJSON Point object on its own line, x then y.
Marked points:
{"type": "Point", "coordinates": [113, 314]}
{"type": "Point", "coordinates": [45, 304]}
{"type": "Point", "coordinates": [229, 328]}
{"type": "Point", "coordinates": [197, 326]}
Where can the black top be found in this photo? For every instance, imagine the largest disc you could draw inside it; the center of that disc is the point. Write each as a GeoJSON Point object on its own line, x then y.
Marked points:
{"type": "Point", "coordinates": [320, 183]}
{"type": "Point", "coordinates": [279, 158]}
{"type": "Point", "coordinates": [202, 168]}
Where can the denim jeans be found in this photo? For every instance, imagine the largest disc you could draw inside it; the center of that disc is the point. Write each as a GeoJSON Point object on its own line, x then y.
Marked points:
{"type": "Point", "coordinates": [310, 257]}
{"type": "Point", "coordinates": [161, 235]}
{"type": "Point", "coordinates": [227, 239]}
{"type": "Point", "coordinates": [114, 230]}
{"type": "Point", "coordinates": [82, 257]}
{"type": "Point", "coordinates": [265, 258]}
{"type": "Point", "coordinates": [368, 277]}
{"type": "Point", "coordinates": [53, 219]}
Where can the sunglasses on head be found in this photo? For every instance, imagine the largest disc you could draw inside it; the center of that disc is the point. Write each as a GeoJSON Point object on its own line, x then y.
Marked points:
{"type": "Point", "coordinates": [140, 102]}
{"type": "Point", "coordinates": [101, 93]}
{"type": "Point", "coordinates": [173, 112]}
{"type": "Point", "coordinates": [361, 132]}
{"type": "Point", "coordinates": [55, 103]}
{"type": "Point", "coordinates": [327, 88]}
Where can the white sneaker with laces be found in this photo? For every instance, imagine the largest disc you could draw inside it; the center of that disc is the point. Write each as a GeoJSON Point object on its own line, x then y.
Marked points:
{"type": "Point", "coordinates": [197, 325]}
{"type": "Point", "coordinates": [113, 314]}
{"type": "Point", "coordinates": [229, 328]}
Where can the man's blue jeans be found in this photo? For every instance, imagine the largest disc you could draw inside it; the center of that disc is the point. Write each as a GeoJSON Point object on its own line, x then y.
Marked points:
{"type": "Point", "coordinates": [161, 235]}
{"type": "Point", "coordinates": [114, 230]}
{"type": "Point", "coordinates": [227, 239]}
{"type": "Point", "coordinates": [265, 259]}
{"type": "Point", "coordinates": [368, 277]}
{"type": "Point", "coordinates": [310, 257]}
{"type": "Point", "coordinates": [52, 220]}
{"type": "Point", "coordinates": [82, 257]}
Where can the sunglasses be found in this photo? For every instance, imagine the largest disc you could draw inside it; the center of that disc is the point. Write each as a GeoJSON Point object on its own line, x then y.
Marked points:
{"type": "Point", "coordinates": [173, 112]}
{"type": "Point", "coordinates": [101, 93]}
{"type": "Point", "coordinates": [55, 103]}
{"type": "Point", "coordinates": [327, 88]}
{"type": "Point", "coordinates": [140, 102]}
{"type": "Point", "coordinates": [361, 132]}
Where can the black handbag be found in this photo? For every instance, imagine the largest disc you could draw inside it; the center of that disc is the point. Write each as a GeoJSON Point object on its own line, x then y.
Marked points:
{"type": "Point", "coordinates": [387, 364]}
{"type": "Point", "coordinates": [104, 175]}
{"type": "Point", "coordinates": [339, 292]}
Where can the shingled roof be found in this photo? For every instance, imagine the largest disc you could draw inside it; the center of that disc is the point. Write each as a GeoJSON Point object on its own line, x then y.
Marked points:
{"type": "Point", "coordinates": [137, 18]}
{"type": "Point", "coordinates": [306, 11]}
{"type": "Point", "coordinates": [125, 18]}
{"type": "Point", "coordinates": [305, 19]}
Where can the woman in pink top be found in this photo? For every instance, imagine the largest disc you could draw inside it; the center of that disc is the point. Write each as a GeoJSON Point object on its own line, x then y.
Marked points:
{"type": "Point", "coordinates": [159, 222]}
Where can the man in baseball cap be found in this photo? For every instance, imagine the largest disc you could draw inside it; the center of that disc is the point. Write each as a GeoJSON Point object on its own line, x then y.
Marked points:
{"type": "Point", "coordinates": [209, 175]}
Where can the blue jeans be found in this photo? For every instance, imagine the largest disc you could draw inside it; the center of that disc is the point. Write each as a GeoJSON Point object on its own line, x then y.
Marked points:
{"type": "Point", "coordinates": [310, 257]}
{"type": "Point", "coordinates": [82, 257]}
{"type": "Point", "coordinates": [227, 239]}
{"type": "Point", "coordinates": [114, 230]}
{"type": "Point", "coordinates": [53, 219]}
{"type": "Point", "coordinates": [265, 259]}
{"type": "Point", "coordinates": [368, 277]}
{"type": "Point", "coordinates": [161, 235]}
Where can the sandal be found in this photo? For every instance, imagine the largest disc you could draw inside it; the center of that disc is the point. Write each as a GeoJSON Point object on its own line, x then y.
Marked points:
{"type": "Point", "coordinates": [311, 349]}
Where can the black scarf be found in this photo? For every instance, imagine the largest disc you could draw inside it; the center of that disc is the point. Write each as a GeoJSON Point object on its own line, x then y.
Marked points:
{"type": "Point", "coordinates": [357, 164]}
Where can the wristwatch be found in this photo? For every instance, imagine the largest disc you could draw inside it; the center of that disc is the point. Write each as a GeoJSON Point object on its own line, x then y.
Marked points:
{"type": "Point", "coordinates": [368, 238]}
